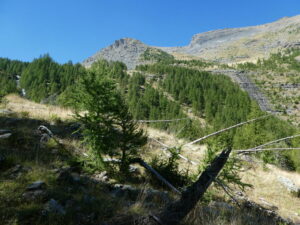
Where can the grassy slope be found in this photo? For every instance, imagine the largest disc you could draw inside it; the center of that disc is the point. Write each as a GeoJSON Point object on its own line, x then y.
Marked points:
{"type": "Point", "coordinates": [39, 163]}
{"type": "Point", "coordinates": [19, 150]}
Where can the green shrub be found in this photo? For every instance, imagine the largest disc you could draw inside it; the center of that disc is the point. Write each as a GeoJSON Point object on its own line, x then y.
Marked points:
{"type": "Point", "coordinates": [169, 169]}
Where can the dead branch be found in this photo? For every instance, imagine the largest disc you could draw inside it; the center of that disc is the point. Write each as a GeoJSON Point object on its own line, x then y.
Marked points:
{"type": "Point", "coordinates": [181, 156]}
{"type": "Point", "coordinates": [226, 129]}
{"type": "Point", "coordinates": [46, 134]}
{"type": "Point", "coordinates": [227, 190]}
{"type": "Point", "coordinates": [175, 212]}
{"type": "Point", "coordinates": [44, 130]}
{"type": "Point", "coordinates": [159, 121]}
{"type": "Point", "coordinates": [159, 142]}
{"type": "Point", "coordinates": [5, 134]}
{"type": "Point", "coordinates": [270, 143]}
{"type": "Point", "coordinates": [153, 171]}
{"type": "Point", "coordinates": [264, 149]}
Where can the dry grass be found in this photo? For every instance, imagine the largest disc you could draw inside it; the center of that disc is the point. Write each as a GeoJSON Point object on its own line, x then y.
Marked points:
{"type": "Point", "coordinates": [267, 187]}
{"type": "Point", "coordinates": [182, 56]}
{"type": "Point", "coordinates": [225, 214]}
{"type": "Point", "coordinates": [193, 152]}
{"type": "Point", "coordinates": [264, 179]}
{"type": "Point", "coordinates": [35, 110]}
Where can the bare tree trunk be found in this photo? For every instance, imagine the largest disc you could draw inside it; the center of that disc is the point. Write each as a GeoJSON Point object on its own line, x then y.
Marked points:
{"type": "Point", "coordinates": [226, 129]}
{"type": "Point", "coordinates": [176, 211]}
{"type": "Point", "coordinates": [153, 171]}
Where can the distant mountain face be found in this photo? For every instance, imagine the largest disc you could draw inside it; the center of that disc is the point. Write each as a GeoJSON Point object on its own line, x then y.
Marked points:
{"type": "Point", "coordinates": [225, 46]}
{"type": "Point", "coordinates": [126, 50]}
{"type": "Point", "coordinates": [243, 44]}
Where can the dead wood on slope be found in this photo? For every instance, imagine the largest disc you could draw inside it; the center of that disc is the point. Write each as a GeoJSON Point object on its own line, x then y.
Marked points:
{"type": "Point", "coordinates": [175, 212]}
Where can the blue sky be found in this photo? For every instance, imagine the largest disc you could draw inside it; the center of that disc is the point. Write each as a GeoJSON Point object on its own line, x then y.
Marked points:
{"type": "Point", "coordinates": [74, 30]}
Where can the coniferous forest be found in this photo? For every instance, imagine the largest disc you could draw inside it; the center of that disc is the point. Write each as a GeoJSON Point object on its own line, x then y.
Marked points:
{"type": "Point", "coordinates": [156, 92]}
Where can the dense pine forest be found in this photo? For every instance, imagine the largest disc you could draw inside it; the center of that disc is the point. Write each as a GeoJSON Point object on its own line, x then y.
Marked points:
{"type": "Point", "coordinates": [9, 70]}
{"type": "Point", "coordinates": [222, 103]}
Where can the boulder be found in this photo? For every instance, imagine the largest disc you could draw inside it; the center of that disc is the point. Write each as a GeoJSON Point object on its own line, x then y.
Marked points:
{"type": "Point", "coordinates": [162, 196]}
{"type": "Point", "coordinates": [100, 177]}
{"type": "Point", "coordinates": [34, 195]}
{"type": "Point", "coordinates": [267, 204]}
{"type": "Point", "coordinates": [128, 191]}
{"type": "Point", "coordinates": [52, 206]}
{"type": "Point", "coordinates": [37, 185]}
{"type": "Point", "coordinates": [289, 185]}
{"type": "Point", "coordinates": [221, 205]}
{"type": "Point", "coordinates": [6, 112]}
{"type": "Point", "coordinates": [267, 212]}
{"type": "Point", "coordinates": [65, 176]}
{"type": "Point", "coordinates": [4, 131]}
{"type": "Point", "coordinates": [17, 171]}
{"type": "Point", "coordinates": [123, 190]}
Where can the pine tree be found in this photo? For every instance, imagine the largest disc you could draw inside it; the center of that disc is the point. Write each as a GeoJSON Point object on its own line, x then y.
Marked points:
{"type": "Point", "coordinates": [109, 128]}
{"type": "Point", "coordinates": [130, 137]}
{"type": "Point", "coordinates": [95, 102]}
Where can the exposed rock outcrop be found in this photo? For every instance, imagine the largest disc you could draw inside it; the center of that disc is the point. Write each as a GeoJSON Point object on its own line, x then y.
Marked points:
{"type": "Point", "coordinates": [126, 50]}
{"type": "Point", "coordinates": [289, 185]}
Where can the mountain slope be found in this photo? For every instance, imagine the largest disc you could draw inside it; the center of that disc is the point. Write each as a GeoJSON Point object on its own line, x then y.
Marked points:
{"type": "Point", "coordinates": [230, 45]}
{"type": "Point", "coordinates": [243, 44]}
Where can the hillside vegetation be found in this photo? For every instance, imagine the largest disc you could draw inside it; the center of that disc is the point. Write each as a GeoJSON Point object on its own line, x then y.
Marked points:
{"type": "Point", "coordinates": [214, 98]}
{"type": "Point", "coordinates": [278, 76]}
{"type": "Point", "coordinates": [100, 132]}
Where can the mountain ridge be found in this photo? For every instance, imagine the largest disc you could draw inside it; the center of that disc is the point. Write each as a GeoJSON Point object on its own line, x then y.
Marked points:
{"type": "Point", "coordinates": [232, 45]}
{"type": "Point", "coordinates": [228, 45]}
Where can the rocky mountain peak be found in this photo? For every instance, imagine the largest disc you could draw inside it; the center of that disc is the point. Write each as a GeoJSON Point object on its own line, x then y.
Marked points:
{"type": "Point", "coordinates": [126, 42]}
{"type": "Point", "coordinates": [127, 50]}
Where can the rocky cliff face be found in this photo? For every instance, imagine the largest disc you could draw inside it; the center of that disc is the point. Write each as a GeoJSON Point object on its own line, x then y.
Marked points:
{"type": "Point", "coordinates": [126, 50]}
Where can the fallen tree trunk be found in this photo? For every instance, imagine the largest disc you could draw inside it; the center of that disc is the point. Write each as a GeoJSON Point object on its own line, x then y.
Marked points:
{"type": "Point", "coordinates": [153, 171]}
{"type": "Point", "coordinates": [226, 129]}
{"type": "Point", "coordinates": [268, 143]}
{"type": "Point", "coordinates": [177, 211]}
{"type": "Point", "coordinates": [159, 121]}
{"type": "Point", "coordinates": [167, 148]}
{"type": "Point", "coordinates": [264, 149]}
{"type": "Point", "coordinates": [5, 134]}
